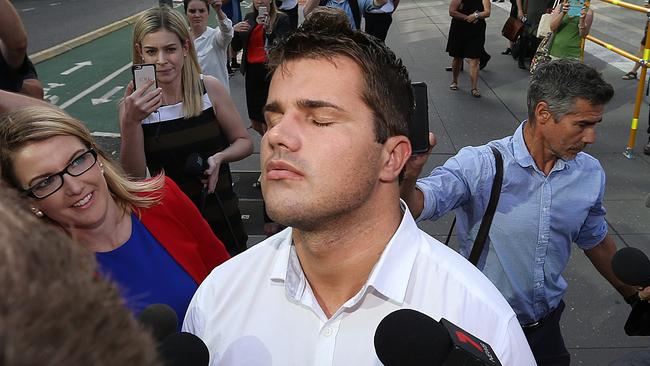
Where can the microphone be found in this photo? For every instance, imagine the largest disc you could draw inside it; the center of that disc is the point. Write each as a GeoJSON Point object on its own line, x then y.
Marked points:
{"type": "Point", "coordinates": [632, 267]}
{"type": "Point", "coordinates": [195, 166]}
{"type": "Point", "coordinates": [408, 337]}
{"type": "Point", "coordinates": [184, 349]}
{"type": "Point", "coordinates": [159, 319]}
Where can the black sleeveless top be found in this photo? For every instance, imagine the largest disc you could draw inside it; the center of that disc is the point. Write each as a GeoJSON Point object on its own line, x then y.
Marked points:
{"type": "Point", "coordinates": [169, 139]}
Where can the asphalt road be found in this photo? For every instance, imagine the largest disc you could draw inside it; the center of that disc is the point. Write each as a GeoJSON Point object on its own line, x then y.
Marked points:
{"type": "Point", "coordinates": [51, 22]}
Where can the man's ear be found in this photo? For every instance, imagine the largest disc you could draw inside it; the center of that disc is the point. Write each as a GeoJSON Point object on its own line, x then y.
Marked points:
{"type": "Point", "coordinates": [543, 113]}
{"type": "Point", "coordinates": [396, 152]}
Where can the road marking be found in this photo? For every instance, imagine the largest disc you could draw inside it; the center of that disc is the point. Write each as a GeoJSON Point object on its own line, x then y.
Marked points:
{"type": "Point", "coordinates": [55, 4]}
{"type": "Point", "coordinates": [27, 9]}
{"type": "Point", "coordinates": [106, 97]}
{"type": "Point", "coordinates": [78, 66]}
{"type": "Point", "coordinates": [105, 134]}
{"type": "Point", "coordinates": [94, 87]}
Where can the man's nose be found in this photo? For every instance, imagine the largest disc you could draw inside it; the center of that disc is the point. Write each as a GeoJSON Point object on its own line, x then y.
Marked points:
{"type": "Point", "coordinates": [286, 132]}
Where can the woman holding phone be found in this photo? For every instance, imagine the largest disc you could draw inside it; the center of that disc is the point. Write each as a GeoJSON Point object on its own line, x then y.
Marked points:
{"type": "Point", "coordinates": [188, 114]}
{"type": "Point", "coordinates": [147, 235]}
{"type": "Point", "coordinates": [569, 29]}
{"type": "Point", "coordinates": [255, 34]}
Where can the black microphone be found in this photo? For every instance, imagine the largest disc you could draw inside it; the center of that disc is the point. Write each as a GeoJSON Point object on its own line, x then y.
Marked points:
{"type": "Point", "coordinates": [184, 349]}
{"type": "Point", "coordinates": [159, 319]}
{"type": "Point", "coordinates": [632, 267]}
{"type": "Point", "coordinates": [408, 337]}
{"type": "Point", "coordinates": [195, 166]}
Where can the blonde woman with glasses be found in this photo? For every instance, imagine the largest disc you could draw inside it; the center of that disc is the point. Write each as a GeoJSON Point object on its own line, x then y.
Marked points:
{"type": "Point", "coordinates": [146, 235]}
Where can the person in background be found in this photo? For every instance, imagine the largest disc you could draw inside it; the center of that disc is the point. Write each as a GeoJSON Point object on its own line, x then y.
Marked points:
{"type": "Point", "coordinates": [354, 9]}
{"type": "Point", "coordinates": [569, 31]}
{"type": "Point", "coordinates": [187, 114]}
{"type": "Point", "coordinates": [256, 33]}
{"type": "Point", "coordinates": [289, 7]}
{"type": "Point", "coordinates": [147, 235]}
{"type": "Point", "coordinates": [467, 38]}
{"type": "Point", "coordinates": [211, 44]}
{"type": "Point", "coordinates": [55, 310]}
{"type": "Point", "coordinates": [232, 9]}
{"type": "Point", "coordinates": [331, 163]}
{"type": "Point", "coordinates": [378, 20]}
{"type": "Point", "coordinates": [17, 72]}
{"type": "Point", "coordinates": [551, 197]}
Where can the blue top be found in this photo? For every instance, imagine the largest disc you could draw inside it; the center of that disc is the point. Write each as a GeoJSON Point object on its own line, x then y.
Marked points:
{"type": "Point", "coordinates": [537, 217]}
{"type": "Point", "coordinates": [147, 274]}
{"type": "Point", "coordinates": [364, 6]}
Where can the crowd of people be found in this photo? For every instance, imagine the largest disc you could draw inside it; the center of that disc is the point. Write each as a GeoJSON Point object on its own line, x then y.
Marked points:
{"type": "Point", "coordinates": [161, 225]}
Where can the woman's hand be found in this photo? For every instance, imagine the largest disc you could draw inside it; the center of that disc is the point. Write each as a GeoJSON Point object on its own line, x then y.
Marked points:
{"type": "Point", "coordinates": [139, 104]}
{"type": "Point", "coordinates": [214, 163]}
{"type": "Point", "coordinates": [565, 7]}
{"type": "Point", "coordinates": [471, 18]}
{"type": "Point", "coordinates": [520, 15]}
{"type": "Point", "coordinates": [242, 27]}
{"type": "Point", "coordinates": [216, 5]}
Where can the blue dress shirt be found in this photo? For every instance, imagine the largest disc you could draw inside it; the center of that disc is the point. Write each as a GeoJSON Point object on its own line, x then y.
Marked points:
{"type": "Point", "coordinates": [364, 6]}
{"type": "Point", "coordinates": [536, 220]}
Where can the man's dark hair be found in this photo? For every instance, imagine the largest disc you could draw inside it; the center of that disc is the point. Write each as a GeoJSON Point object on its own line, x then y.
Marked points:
{"type": "Point", "coordinates": [560, 82]}
{"type": "Point", "coordinates": [54, 308]}
{"type": "Point", "coordinates": [387, 86]}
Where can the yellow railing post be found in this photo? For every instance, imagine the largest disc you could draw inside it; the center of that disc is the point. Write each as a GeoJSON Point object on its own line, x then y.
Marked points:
{"type": "Point", "coordinates": [642, 61]}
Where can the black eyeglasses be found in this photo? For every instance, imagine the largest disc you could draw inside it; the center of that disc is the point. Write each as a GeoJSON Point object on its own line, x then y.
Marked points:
{"type": "Point", "coordinates": [54, 182]}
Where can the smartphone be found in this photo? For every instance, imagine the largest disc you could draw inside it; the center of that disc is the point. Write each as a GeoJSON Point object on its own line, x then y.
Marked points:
{"type": "Point", "coordinates": [143, 73]}
{"type": "Point", "coordinates": [419, 123]}
{"type": "Point", "coordinates": [262, 14]}
{"type": "Point", "coordinates": [575, 7]}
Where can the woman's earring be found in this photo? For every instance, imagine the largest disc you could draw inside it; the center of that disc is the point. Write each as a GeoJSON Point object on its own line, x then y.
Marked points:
{"type": "Point", "coordinates": [101, 167]}
{"type": "Point", "coordinates": [38, 213]}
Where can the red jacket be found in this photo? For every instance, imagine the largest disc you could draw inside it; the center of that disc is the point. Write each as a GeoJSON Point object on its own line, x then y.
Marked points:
{"type": "Point", "coordinates": [179, 227]}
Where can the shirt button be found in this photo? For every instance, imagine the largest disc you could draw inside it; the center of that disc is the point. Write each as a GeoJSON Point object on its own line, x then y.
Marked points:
{"type": "Point", "coordinates": [327, 332]}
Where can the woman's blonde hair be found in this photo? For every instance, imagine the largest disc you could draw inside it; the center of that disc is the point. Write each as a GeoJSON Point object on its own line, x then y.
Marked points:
{"type": "Point", "coordinates": [30, 124]}
{"type": "Point", "coordinates": [155, 19]}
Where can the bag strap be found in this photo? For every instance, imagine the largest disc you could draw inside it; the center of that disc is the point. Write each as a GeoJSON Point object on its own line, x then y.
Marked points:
{"type": "Point", "coordinates": [356, 13]}
{"type": "Point", "coordinates": [484, 229]}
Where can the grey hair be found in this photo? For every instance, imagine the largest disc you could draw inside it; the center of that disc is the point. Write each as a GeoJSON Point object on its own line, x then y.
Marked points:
{"type": "Point", "coordinates": [560, 82]}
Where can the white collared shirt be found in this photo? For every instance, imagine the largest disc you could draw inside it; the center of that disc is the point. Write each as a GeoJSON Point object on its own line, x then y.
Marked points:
{"type": "Point", "coordinates": [258, 308]}
{"type": "Point", "coordinates": [212, 50]}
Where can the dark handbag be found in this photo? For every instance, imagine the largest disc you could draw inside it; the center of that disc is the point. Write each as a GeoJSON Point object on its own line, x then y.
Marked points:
{"type": "Point", "coordinates": [512, 29]}
{"type": "Point", "coordinates": [484, 229]}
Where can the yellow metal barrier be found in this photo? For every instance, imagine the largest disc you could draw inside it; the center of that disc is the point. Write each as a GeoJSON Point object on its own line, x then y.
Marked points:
{"type": "Point", "coordinates": [644, 65]}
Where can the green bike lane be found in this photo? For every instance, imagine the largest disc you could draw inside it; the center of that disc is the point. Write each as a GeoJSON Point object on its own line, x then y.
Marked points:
{"type": "Point", "coordinates": [88, 81]}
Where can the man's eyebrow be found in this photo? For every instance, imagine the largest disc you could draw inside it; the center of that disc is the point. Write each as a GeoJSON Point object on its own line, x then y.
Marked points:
{"type": "Point", "coordinates": [313, 104]}
{"type": "Point", "coordinates": [274, 107]}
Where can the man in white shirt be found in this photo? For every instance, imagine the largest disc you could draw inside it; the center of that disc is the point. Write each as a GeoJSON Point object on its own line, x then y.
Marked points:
{"type": "Point", "coordinates": [331, 161]}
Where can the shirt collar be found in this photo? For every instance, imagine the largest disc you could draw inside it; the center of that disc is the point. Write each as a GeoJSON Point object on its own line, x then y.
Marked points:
{"type": "Point", "coordinates": [521, 153]}
{"type": "Point", "coordinates": [390, 275]}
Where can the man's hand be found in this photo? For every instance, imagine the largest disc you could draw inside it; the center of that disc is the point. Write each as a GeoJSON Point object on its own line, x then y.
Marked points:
{"type": "Point", "coordinates": [412, 169]}
{"type": "Point", "coordinates": [414, 165]}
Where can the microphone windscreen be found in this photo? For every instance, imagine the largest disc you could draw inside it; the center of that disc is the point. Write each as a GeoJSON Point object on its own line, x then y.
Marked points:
{"type": "Point", "coordinates": [632, 267]}
{"type": "Point", "coordinates": [184, 349]}
{"type": "Point", "coordinates": [160, 319]}
{"type": "Point", "coordinates": [407, 337]}
{"type": "Point", "coordinates": [195, 165]}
